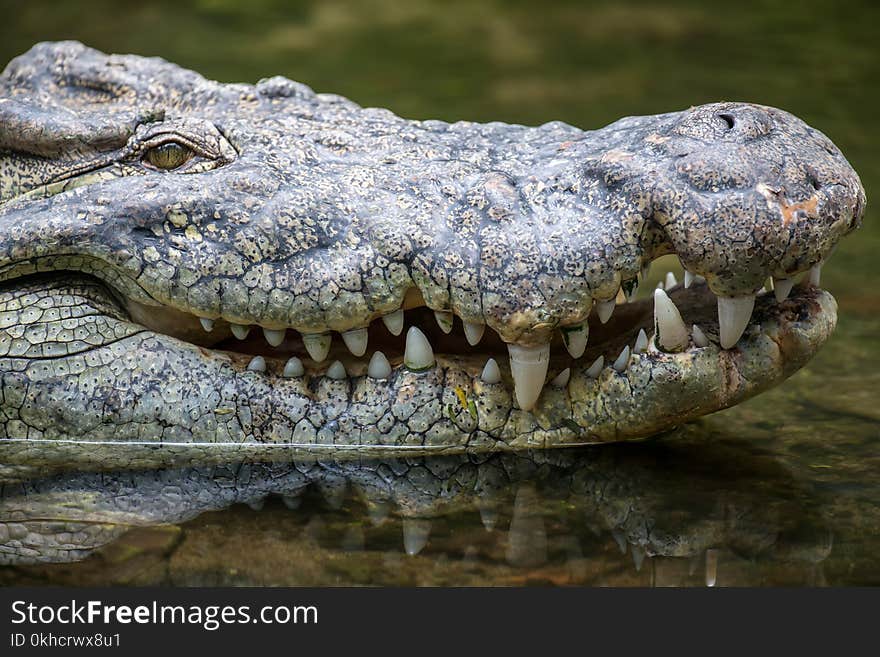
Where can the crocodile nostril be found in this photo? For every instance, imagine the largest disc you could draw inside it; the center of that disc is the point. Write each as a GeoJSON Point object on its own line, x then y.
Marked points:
{"type": "Point", "coordinates": [728, 119]}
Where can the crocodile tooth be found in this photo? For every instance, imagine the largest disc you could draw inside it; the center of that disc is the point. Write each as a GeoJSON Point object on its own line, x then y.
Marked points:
{"type": "Point", "coordinates": [207, 324]}
{"type": "Point", "coordinates": [622, 360]}
{"type": "Point", "coordinates": [700, 339]}
{"type": "Point", "coordinates": [257, 364]}
{"type": "Point", "coordinates": [688, 279]}
{"type": "Point", "coordinates": [444, 320]}
{"type": "Point", "coordinates": [418, 354]}
{"type": "Point", "coordinates": [488, 516]}
{"type": "Point", "coordinates": [528, 365]}
{"type": "Point", "coordinates": [670, 332]}
{"type": "Point", "coordinates": [336, 371]}
{"type": "Point", "coordinates": [604, 309]}
{"type": "Point", "coordinates": [473, 333]}
{"type": "Point", "coordinates": [620, 298]}
{"type": "Point", "coordinates": [575, 339]}
{"type": "Point", "coordinates": [491, 373]}
{"type": "Point", "coordinates": [782, 288]}
{"type": "Point", "coordinates": [356, 341]}
{"type": "Point", "coordinates": [394, 322]}
{"type": "Point", "coordinates": [641, 345]}
{"type": "Point", "coordinates": [638, 555]}
{"type": "Point", "coordinates": [815, 274]}
{"type": "Point", "coordinates": [240, 331]}
{"type": "Point", "coordinates": [256, 505]}
{"type": "Point", "coordinates": [274, 336]}
{"type": "Point", "coordinates": [415, 534]}
{"type": "Point", "coordinates": [561, 379]}
{"type": "Point", "coordinates": [379, 367]}
{"type": "Point", "coordinates": [670, 281]}
{"type": "Point", "coordinates": [594, 369]}
{"type": "Point", "coordinates": [317, 344]}
{"type": "Point", "coordinates": [711, 567]}
{"type": "Point", "coordinates": [293, 368]}
{"type": "Point", "coordinates": [620, 539]}
{"type": "Point", "coordinates": [645, 272]}
{"type": "Point", "coordinates": [734, 314]}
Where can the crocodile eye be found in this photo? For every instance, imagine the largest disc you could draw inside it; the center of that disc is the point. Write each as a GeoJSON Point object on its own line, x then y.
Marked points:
{"type": "Point", "coordinates": [168, 156]}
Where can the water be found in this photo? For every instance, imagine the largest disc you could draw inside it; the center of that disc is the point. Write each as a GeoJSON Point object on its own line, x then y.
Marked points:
{"type": "Point", "coordinates": [784, 489]}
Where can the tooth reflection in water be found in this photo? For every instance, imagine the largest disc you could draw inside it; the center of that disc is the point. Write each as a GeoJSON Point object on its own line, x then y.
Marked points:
{"type": "Point", "coordinates": [676, 513]}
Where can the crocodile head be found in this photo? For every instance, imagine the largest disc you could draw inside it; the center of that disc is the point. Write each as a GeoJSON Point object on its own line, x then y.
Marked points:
{"type": "Point", "coordinates": [212, 267]}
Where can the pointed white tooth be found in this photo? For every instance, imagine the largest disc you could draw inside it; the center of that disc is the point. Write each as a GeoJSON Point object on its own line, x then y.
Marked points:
{"type": "Point", "coordinates": [394, 322]}
{"type": "Point", "coordinates": [444, 320]}
{"type": "Point", "coordinates": [711, 567]}
{"type": "Point", "coordinates": [622, 360]}
{"type": "Point", "coordinates": [561, 379]}
{"type": "Point", "coordinates": [659, 286]}
{"type": "Point", "coordinates": [782, 288]}
{"type": "Point", "coordinates": [356, 341]}
{"type": "Point", "coordinates": [415, 535]}
{"type": "Point", "coordinates": [604, 309]}
{"type": "Point", "coordinates": [274, 336]}
{"type": "Point", "coordinates": [688, 278]}
{"type": "Point", "coordinates": [473, 333]}
{"type": "Point", "coordinates": [700, 339]}
{"type": "Point", "coordinates": [418, 354]}
{"type": "Point", "coordinates": [641, 345]}
{"type": "Point", "coordinates": [207, 324]}
{"type": "Point", "coordinates": [317, 344]}
{"type": "Point", "coordinates": [379, 367]}
{"type": "Point", "coordinates": [336, 371]}
{"type": "Point", "coordinates": [488, 516]}
{"type": "Point", "coordinates": [528, 365]}
{"type": "Point", "coordinates": [293, 368]}
{"type": "Point", "coordinates": [670, 281]}
{"type": "Point", "coordinates": [257, 364]}
{"type": "Point", "coordinates": [670, 332]}
{"type": "Point", "coordinates": [734, 314]}
{"type": "Point", "coordinates": [620, 298]}
{"type": "Point", "coordinates": [491, 372]}
{"type": "Point", "coordinates": [620, 539]}
{"type": "Point", "coordinates": [638, 555]}
{"type": "Point", "coordinates": [256, 505]}
{"type": "Point", "coordinates": [594, 369]}
{"type": "Point", "coordinates": [575, 339]}
{"type": "Point", "coordinates": [240, 331]}
{"type": "Point", "coordinates": [815, 274]}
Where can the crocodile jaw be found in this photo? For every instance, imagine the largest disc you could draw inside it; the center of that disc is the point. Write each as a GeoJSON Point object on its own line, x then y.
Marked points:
{"type": "Point", "coordinates": [141, 397]}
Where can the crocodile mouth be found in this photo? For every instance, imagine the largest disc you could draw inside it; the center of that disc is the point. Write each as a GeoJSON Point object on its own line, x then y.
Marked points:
{"type": "Point", "coordinates": [677, 321]}
{"type": "Point", "coordinates": [85, 365]}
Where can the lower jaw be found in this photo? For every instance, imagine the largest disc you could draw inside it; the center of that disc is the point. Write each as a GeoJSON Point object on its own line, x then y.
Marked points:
{"type": "Point", "coordinates": [149, 400]}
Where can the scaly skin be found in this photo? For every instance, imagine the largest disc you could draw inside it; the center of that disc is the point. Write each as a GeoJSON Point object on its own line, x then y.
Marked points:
{"type": "Point", "coordinates": [304, 211]}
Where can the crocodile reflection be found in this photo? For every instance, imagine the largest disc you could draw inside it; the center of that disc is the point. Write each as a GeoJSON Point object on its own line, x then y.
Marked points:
{"type": "Point", "coordinates": [675, 506]}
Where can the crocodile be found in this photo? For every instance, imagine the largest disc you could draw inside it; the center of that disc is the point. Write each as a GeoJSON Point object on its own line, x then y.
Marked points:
{"type": "Point", "coordinates": [195, 272]}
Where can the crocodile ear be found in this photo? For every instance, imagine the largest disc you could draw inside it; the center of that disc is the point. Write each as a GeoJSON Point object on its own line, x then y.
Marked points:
{"type": "Point", "coordinates": [54, 131]}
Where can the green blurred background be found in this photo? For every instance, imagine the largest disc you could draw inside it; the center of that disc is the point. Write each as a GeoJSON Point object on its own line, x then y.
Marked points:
{"type": "Point", "coordinates": [587, 63]}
